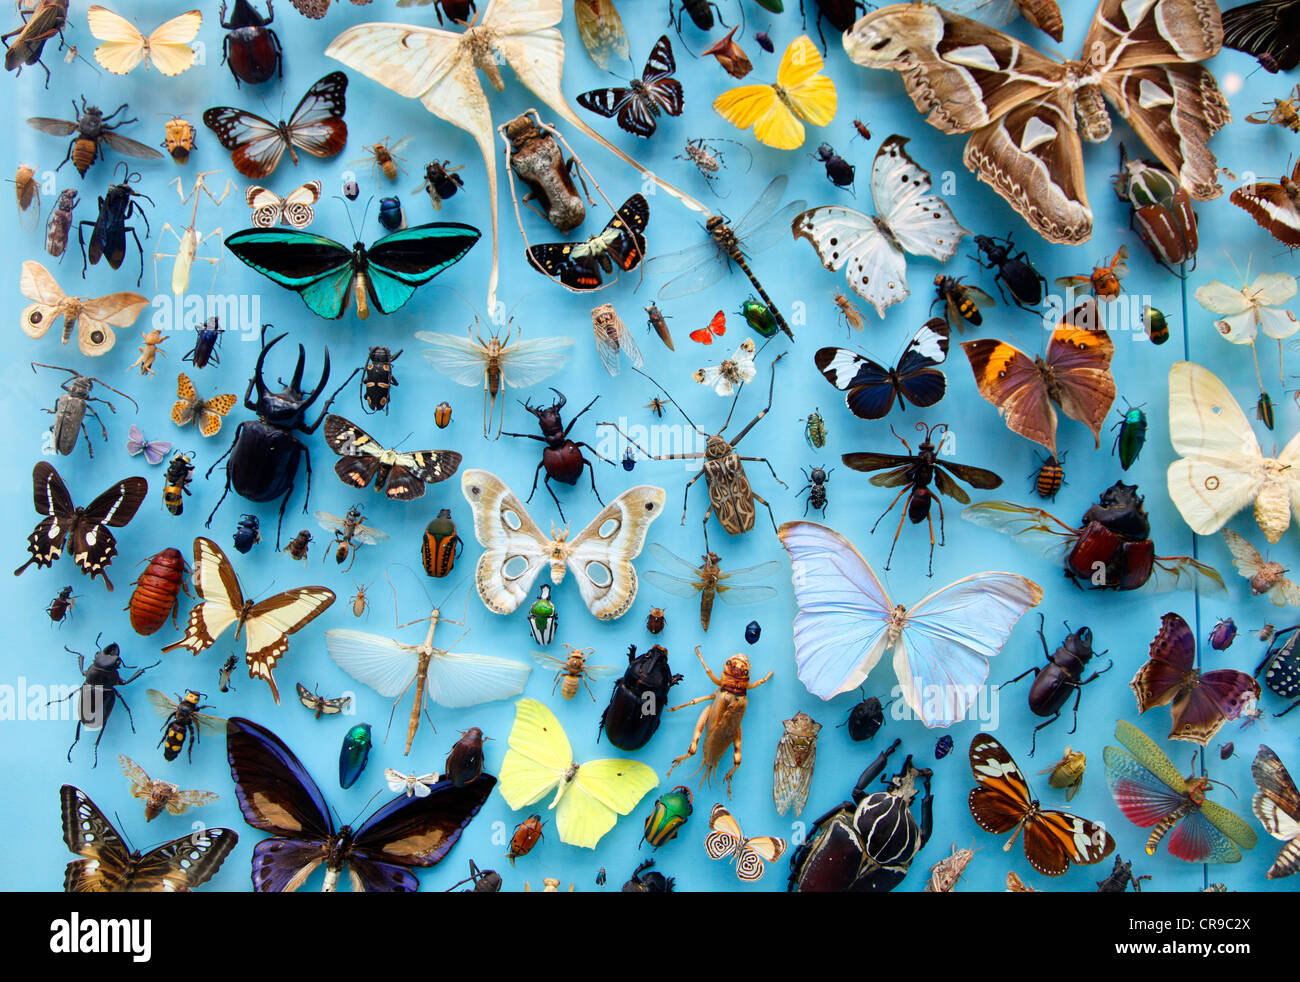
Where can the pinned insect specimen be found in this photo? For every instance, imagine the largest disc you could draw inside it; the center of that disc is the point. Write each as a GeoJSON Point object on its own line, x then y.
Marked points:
{"type": "Point", "coordinates": [440, 181]}
{"type": "Point", "coordinates": [601, 30]}
{"type": "Point", "coordinates": [295, 208]}
{"type": "Point", "coordinates": [1160, 209]}
{"type": "Point", "coordinates": [298, 545]}
{"type": "Point", "coordinates": [563, 459]}
{"type": "Point", "coordinates": [726, 841]}
{"type": "Point", "coordinates": [160, 796]}
{"type": "Point", "coordinates": [1277, 806]}
{"type": "Point", "coordinates": [157, 592]}
{"type": "Point", "coordinates": [183, 720]}
{"type": "Point", "coordinates": [318, 704]}
{"type": "Point", "coordinates": [1265, 576]}
{"type": "Point", "coordinates": [70, 409]}
{"type": "Point", "coordinates": [709, 159]}
{"type": "Point", "coordinates": [97, 695]}
{"type": "Point", "coordinates": [730, 55]}
{"type": "Point", "coordinates": [1067, 773]}
{"type": "Point", "coordinates": [638, 105]}
{"type": "Point", "coordinates": [708, 582]}
{"type": "Point", "coordinates": [26, 43]}
{"type": "Point", "coordinates": [384, 157]}
{"type": "Point", "coordinates": [573, 670]}
{"type": "Point", "coordinates": [94, 131]}
{"type": "Point", "coordinates": [612, 336]}
{"type": "Point", "coordinates": [1282, 112]}
{"type": "Point", "coordinates": [60, 223]}
{"type": "Point", "coordinates": [1104, 280]}
{"type": "Point", "coordinates": [946, 873]}
{"type": "Point", "coordinates": [796, 756]}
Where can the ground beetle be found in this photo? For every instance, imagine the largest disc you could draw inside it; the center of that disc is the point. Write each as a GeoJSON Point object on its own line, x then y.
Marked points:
{"type": "Point", "coordinates": [1014, 269]}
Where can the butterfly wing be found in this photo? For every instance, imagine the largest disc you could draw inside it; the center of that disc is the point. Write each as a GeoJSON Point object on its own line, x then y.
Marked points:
{"type": "Point", "coordinates": [169, 46]}
{"type": "Point", "coordinates": [317, 268]}
{"type": "Point", "coordinates": [602, 553]}
{"type": "Point", "coordinates": [107, 862]}
{"type": "Point", "coordinates": [1266, 29]}
{"type": "Point", "coordinates": [51, 499]}
{"type": "Point", "coordinates": [601, 791]}
{"type": "Point", "coordinates": [255, 143]}
{"type": "Point", "coordinates": [184, 863]}
{"type": "Point", "coordinates": [876, 269]}
{"type": "Point", "coordinates": [922, 222]}
{"type": "Point", "coordinates": [1079, 360]}
{"type": "Point", "coordinates": [1171, 656]}
{"type": "Point", "coordinates": [411, 257]}
{"type": "Point", "coordinates": [267, 206]}
{"type": "Point", "coordinates": [510, 536]}
{"type": "Point", "coordinates": [124, 45]}
{"type": "Point", "coordinates": [1272, 208]}
{"type": "Point", "coordinates": [316, 124]}
{"type": "Point", "coordinates": [271, 621]}
{"type": "Point", "coordinates": [1012, 381]}
{"type": "Point", "coordinates": [539, 757]}
{"type": "Point", "coordinates": [216, 584]}
{"type": "Point", "coordinates": [868, 388]}
{"type": "Point", "coordinates": [810, 94]}
{"type": "Point", "coordinates": [296, 206]}
{"type": "Point", "coordinates": [210, 411]}
{"type": "Point", "coordinates": [601, 29]}
{"type": "Point", "coordinates": [1277, 806]}
{"type": "Point", "coordinates": [93, 545]}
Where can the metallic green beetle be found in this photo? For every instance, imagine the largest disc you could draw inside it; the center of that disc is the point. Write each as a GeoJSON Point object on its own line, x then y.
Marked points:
{"type": "Point", "coordinates": [814, 430]}
{"type": "Point", "coordinates": [759, 317]}
{"type": "Point", "coordinates": [542, 618]}
{"type": "Point", "coordinates": [670, 813]}
{"type": "Point", "coordinates": [353, 754]}
{"type": "Point", "coordinates": [1132, 428]}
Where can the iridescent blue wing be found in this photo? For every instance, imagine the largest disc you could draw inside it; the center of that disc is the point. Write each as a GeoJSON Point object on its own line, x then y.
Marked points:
{"type": "Point", "coordinates": [411, 257]}
{"type": "Point", "coordinates": [317, 268]}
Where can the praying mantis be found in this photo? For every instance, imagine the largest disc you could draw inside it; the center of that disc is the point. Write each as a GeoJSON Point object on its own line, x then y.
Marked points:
{"type": "Point", "coordinates": [188, 240]}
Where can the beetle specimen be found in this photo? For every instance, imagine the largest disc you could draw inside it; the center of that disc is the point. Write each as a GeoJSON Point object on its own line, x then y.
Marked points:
{"type": "Point", "coordinates": [441, 181]}
{"type": "Point", "coordinates": [1160, 210]}
{"type": "Point", "coordinates": [534, 155]}
{"type": "Point", "coordinates": [814, 430]}
{"type": "Point", "coordinates": [297, 547]}
{"type": "Point", "coordinates": [60, 223]}
{"type": "Point", "coordinates": [157, 591]}
{"type": "Point", "coordinates": [70, 409]}
{"type": "Point", "coordinates": [865, 719]}
{"type": "Point", "coordinates": [562, 459]}
{"type": "Point", "coordinates": [178, 139]}
{"type": "Point", "coordinates": [1049, 477]}
{"type": "Point", "coordinates": [349, 534]}
{"type": "Point", "coordinates": [377, 378]}
{"type": "Point", "coordinates": [184, 720]}
{"type": "Point", "coordinates": [484, 881]}
{"type": "Point", "coordinates": [93, 131]}
{"type": "Point", "coordinates": [796, 756]}
{"type": "Point", "coordinates": [669, 814]}
{"type": "Point", "coordinates": [250, 47]}
{"type": "Point", "coordinates": [730, 493]}
{"type": "Point", "coordinates": [574, 670]}
{"type": "Point", "coordinates": [1132, 426]}
{"type": "Point", "coordinates": [914, 472]}
{"type": "Point", "coordinates": [654, 621]}
{"type": "Point", "coordinates": [149, 351]}
{"type": "Point", "coordinates": [1104, 281]}
{"type": "Point", "coordinates": [264, 454]}
{"type": "Point", "coordinates": [188, 239]}
{"type": "Point", "coordinates": [816, 488]}
{"type": "Point", "coordinates": [1061, 676]}
{"type": "Point", "coordinates": [867, 844]}
{"type": "Point", "coordinates": [354, 754]}
{"type": "Point", "coordinates": [708, 158]}
{"type": "Point", "coordinates": [1121, 875]}
{"type": "Point", "coordinates": [730, 55]}
{"type": "Point", "coordinates": [204, 351]}
{"type": "Point", "coordinates": [98, 694]}
{"type": "Point", "coordinates": [840, 14]}
{"type": "Point", "coordinates": [542, 619]}
{"type": "Point", "coordinates": [46, 19]}
{"type": "Point", "coordinates": [962, 302]}
{"type": "Point", "coordinates": [838, 170]}
{"type": "Point", "coordinates": [391, 216]}
{"type": "Point", "coordinates": [707, 581]}
{"type": "Point", "coordinates": [1223, 634]}
{"type": "Point", "coordinates": [1067, 773]}
{"type": "Point", "coordinates": [318, 704]}
{"type": "Point", "coordinates": [646, 882]}
{"type": "Point", "coordinates": [943, 746]}
{"type": "Point", "coordinates": [637, 703]}
{"type": "Point", "coordinates": [440, 545]}
{"type": "Point", "coordinates": [60, 608]}
{"type": "Point", "coordinates": [722, 718]}
{"type": "Point", "coordinates": [248, 533]}
{"type": "Point", "coordinates": [1014, 270]}
{"type": "Point", "coordinates": [753, 630]}
{"type": "Point", "coordinates": [526, 835]}
{"type": "Point", "coordinates": [464, 761]}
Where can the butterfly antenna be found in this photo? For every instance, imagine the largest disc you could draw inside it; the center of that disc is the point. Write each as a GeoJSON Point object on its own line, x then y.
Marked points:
{"type": "Point", "coordinates": [366, 805]}
{"type": "Point", "coordinates": [670, 398]}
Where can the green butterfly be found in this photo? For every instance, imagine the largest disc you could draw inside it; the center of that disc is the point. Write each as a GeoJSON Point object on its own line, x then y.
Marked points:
{"type": "Point", "coordinates": [326, 273]}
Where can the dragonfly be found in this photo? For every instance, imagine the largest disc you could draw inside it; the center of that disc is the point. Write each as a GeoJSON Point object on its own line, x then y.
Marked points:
{"type": "Point", "coordinates": [708, 582]}
{"type": "Point", "coordinates": [701, 266]}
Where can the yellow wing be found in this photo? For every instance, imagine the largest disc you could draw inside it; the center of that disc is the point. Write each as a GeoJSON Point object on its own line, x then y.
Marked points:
{"type": "Point", "coordinates": [601, 791]}
{"type": "Point", "coordinates": [774, 110]}
{"type": "Point", "coordinates": [538, 758]}
{"type": "Point", "coordinates": [125, 47]}
{"type": "Point", "coordinates": [809, 93]}
{"type": "Point", "coordinates": [169, 46]}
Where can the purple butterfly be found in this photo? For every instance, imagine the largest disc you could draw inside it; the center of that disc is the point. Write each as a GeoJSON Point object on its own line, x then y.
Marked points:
{"type": "Point", "coordinates": [154, 451]}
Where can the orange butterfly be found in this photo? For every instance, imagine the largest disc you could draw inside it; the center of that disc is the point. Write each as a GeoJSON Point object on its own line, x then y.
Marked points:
{"type": "Point", "coordinates": [206, 413]}
{"type": "Point", "coordinates": [716, 326]}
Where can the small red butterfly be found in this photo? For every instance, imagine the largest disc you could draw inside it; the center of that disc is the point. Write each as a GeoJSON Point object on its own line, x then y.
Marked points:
{"type": "Point", "coordinates": [716, 326]}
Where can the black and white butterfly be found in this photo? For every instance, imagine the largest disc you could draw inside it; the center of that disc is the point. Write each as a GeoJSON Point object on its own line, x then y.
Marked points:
{"type": "Point", "coordinates": [1267, 29]}
{"type": "Point", "coordinates": [257, 144]}
{"type": "Point", "coordinates": [873, 247]}
{"type": "Point", "coordinates": [869, 388]}
{"type": "Point", "coordinates": [93, 545]}
{"type": "Point", "coordinates": [580, 265]}
{"type": "Point", "coordinates": [637, 106]}
{"type": "Point", "coordinates": [401, 476]}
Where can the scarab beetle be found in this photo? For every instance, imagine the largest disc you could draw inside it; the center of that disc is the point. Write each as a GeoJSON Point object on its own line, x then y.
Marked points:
{"type": "Point", "coordinates": [669, 814]}
{"type": "Point", "coordinates": [542, 619]}
{"type": "Point", "coordinates": [248, 533]}
{"type": "Point", "coordinates": [637, 703]}
{"type": "Point", "coordinates": [753, 630]}
{"type": "Point", "coordinates": [759, 317]}
{"type": "Point", "coordinates": [1223, 634]}
{"type": "Point", "coordinates": [353, 754]}
{"type": "Point", "coordinates": [648, 882]}
{"type": "Point", "coordinates": [441, 545]}
{"type": "Point", "coordinates": [250, 48]}
{"type": "Point", "coordinates": [867, 845]}
{"type": "Point", "coordinates": [943, 746]}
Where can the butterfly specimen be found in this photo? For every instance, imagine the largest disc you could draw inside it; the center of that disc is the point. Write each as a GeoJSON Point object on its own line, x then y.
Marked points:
{"type": "Point", "coordinates": [619, 248]}
{"type": "Point", "coordinates": [1001, 802]}
{"type": "Point", "coordinates": [717, 327]}
{"type": "Point", "coordinates": [870, 388]}
{"type": "Point", "coordinates": [160, 796]}
{"type": "Point", "coordinates": [1267, 29]}
{"type": "Point", "coordinates": [1221, 469]}
{"type": "Point", "coordinates": [801, 92]}
{"type": "Point", "coordinates": [328, 275]}
{"type": "Point", "coordinates": [454, 679]}
{"type": "Point", "coordinates": [726, 378]}
{"type": "Point", "coordinates": [600, 556]}
{"type": "Point", "coordinates": [495, 363]}
{"type": "Point", "coordinates": [93, 318]}
{"type": "Point", "coordinates": [1074, 374]}
{"type": "Point", "coordinates": [941, 645]}
{"type": "Point", "coordinates": [1277, 806]}
{"type": "Point", "coordinates": [411, 785]}
{"type": "Point", "coordinates": [1150, 790]}
{"type": "Point", "coordinates": [256, 144]}
{"type": "Point", "coordinates": [637, 107]}
{"type": "Point", "coordinates": [1275, 206]}
{"type": "Point", "coordinates": [154, 450]}
{"type": "Point", "coordinates": [708, 582]}
{"type": "Point", "coordinates": [318, 704]}
{"type": "Point", "coordinates": [167, 48]}
{"type": "Point", "coordinates": [266, 624]}
{"type": "Point", "coordinates": [398, 474]}
{"type": "Point", "coordinates": [726, 841]}
{"type": "Point", "coordinates": [1265, 576]}
{"type": "Point", "coordinates": [108, 865]}
{"type": "Point", "coordinates": [1199, 702]}
{"type": "Point", "coordinates": [316, 9]}
{"type": "Point", "coordinates": [93, 545]}
{"type": "Point", "coordinates": [1025, 111]}
{"type": "Point", "coordinates": [601, 30]}
{"type": "Point", "coordinates": [206, 414]}
{"type": "Point", "coordinates": [871, 249]}
{"type": "Point", "coordinates": [588, 797]}
{"type": "Point", "coordinates": [277, 795]}
{"type": "Point", "coordinates": [1043, 14]}
{"type": "Point", "coordinates": [295, 208]}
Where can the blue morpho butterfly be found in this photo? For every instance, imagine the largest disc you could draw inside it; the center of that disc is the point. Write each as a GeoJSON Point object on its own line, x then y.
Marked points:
{"type": "Point", "coordinates": [325, 273]}
{"type": "Point", "coordinates": [869, 388]}
{"type": "Point", "coordinates": [277, 795]}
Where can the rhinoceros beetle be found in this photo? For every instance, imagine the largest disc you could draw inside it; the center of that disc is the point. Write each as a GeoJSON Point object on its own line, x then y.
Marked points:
{"type": "Point", "coordinates": [264, 455]}
{"type": "Point", "coordinates": [563, 458]}
{"type": "Point", "coordinates": [1114, 536]}
{"type": "Point", "coordinates": [1061, 676]}
{"type": "Point", "coordinates": [637, 703]}
{"type": "Point", "coordinates": [867, 845]}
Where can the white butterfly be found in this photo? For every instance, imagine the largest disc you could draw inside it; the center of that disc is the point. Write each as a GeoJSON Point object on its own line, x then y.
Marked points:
{"type": "Point", "coordinates": [413, 785]}
{"type": "Point", "coordinates": [1222, 469]}
{"type": "Point", "coordinates": [94, 318]}
{"type": "Point", "coordinates": [734, 371]}
{"type": "Point", "coordinates": [266, 624]}
{"type": "Point", "coordinates": [1251, 309]}
{"type": "Point", "coordinates": [606, 547]}
{"type": "Point", "coordinates": [726, 840]}
{"type": "Point", "coordinates": [167, 48]}
{"type": "Point", "coordinates": [872, 246]}
{"type": "Point", "coordinates": [942, 644]}
{"type": "Point", "coordinates": [294, 209]}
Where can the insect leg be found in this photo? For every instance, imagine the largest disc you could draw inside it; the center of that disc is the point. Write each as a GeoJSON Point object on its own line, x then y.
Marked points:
{"type": "Point", "coordinates": [764, 460]}
{"type": "Point", "coordinates": [686, 493]}
{"type": "Point", "coordinates": [899, 531]}
{"type": "Point", "coordinates": [593, 476]}
{"type": "Point", "coordinates": [1033, 743]}
{"type": "Point", "coordinates": [769, 510]}
{"type": "Point", "coordinates": [735, 761]}
{"type": "Point", "coordinates": [547, 482]}
{"type": "Point", "coordinates": [695, 737]}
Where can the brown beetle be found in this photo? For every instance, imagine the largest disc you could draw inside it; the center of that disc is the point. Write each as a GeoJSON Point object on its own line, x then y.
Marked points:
{"type": "Point", "coordinates": [722, 717]}
{"type": "Point", "coordinates": [442, 415]}
{"type": "Point", "coordinates": [157, 592]}
{"type": "Point", "coordinates": [527, 834]}
{"type": "Point", "coordinates": [465, 760]}
{"type": "Point", "coordinates": [178, 139]}
{"type": "Point", "coordinates": [60, 607]}
{"type": "Point", "coordinates": [654, 621]}
{"type": "Point", "coordinates": [441, 545]}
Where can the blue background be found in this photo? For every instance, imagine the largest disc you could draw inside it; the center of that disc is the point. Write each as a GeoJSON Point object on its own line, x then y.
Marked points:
{"type": "Point", "coordinates": [33, 766]}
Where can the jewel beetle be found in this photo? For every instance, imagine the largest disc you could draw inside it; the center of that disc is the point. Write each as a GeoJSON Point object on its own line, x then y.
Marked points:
{"type": "Point", "coordinates": [353, 754]}
{"type": "Point", "coordinates": [1132, 435]}
{"type": "Point", "coordinates": [669, 814]}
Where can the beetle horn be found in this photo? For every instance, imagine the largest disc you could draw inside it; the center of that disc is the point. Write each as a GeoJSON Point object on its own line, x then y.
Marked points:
{"type": "Point", "coordinates": [296, 382]}
{"type": "Point", "coordinates": [559, 395]}
{"type": "Point", "coordinates": [324, 379]}
{"type": "Point", "coordinates": [261, 360]}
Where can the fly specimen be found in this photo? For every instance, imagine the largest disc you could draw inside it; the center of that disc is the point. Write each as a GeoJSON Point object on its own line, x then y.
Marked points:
{"type": "Point", "coordinates": [709, 582]}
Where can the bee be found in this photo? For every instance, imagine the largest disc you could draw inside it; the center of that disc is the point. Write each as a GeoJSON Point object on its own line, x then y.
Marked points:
{"type": "Point", "coordinates": [1068, 772]}
{"type": "Point", "coordinates": [574, 670]}
{"type": "Point", "coordinates": [385, 156]}
{"type": "Point", "coordinates": [441, 181]}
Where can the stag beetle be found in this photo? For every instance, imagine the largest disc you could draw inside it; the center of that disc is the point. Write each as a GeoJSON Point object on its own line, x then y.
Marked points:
{"type": "Point", "coordinates": [1025, 283]}
{"type": "Point", "coordinates": [264, 454]}
{"type": "Point", "coordinates": [866, 845]}
{"type": "Point", "coordinates": [377, 380]}
{"type": "Point", "coordinates": [562, 457]}
{"type": "Point", "coordinates": [1054, 681]}
{"type": "Point", "coordinates": [97, 695]}
{"type": "Point", "coordinates": [70, 409]}
{"type": "Point", "coordinates": [637, 703]}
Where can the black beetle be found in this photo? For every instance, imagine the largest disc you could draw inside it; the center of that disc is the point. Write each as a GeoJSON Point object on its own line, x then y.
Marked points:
{"type": "Point", "coordinates": [1014, 269]}
{"type": "Point", "coordinates": [816, 488]}
{"type": "Point", "coordinates": [250, 48]}
{"type": "Point", "coordinates": [838, 170]}
{"type": "Point", "coordinates": [248, 533]}
{"type": "Point", "coordinates": [204, 351]}
{"type": "Point", "coordinates": [377, 379]}
{"type": "Point", "coordinates": [108, 230]}
{"type": "Point", "coordinates": [865, 719]}
{"type": "Point", "coordinates": [637, 703]}
{"type": "Point", "coordinates": [1055, 681]}
{"type": "Point", "coordinates": [648, 882]}
{"type": "Point", "coordinates": [700, 12]}
{"type": "Point", "coordinates": [1121, 875]}
{"type": "Point", "coordinates": [98, 694]}
{"type": "Point", "coordinates": [840, 13]}
{"type": "Point", "coordinates": [562, 458]}
{"type": "Point", "coordinates": [866, 845]}
{"type": "Point", "coordinates": [264, 454]}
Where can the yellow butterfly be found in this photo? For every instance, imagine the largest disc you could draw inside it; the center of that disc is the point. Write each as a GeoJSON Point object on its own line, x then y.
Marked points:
{"type": "Point", "coordinates": [774, 111]}
{"type": "Point", "coordinates": [208, 412]}
{"type": "Point", "coordinates": [589, 797]}
{"type": "Point", "coordinates": [124, 47]}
